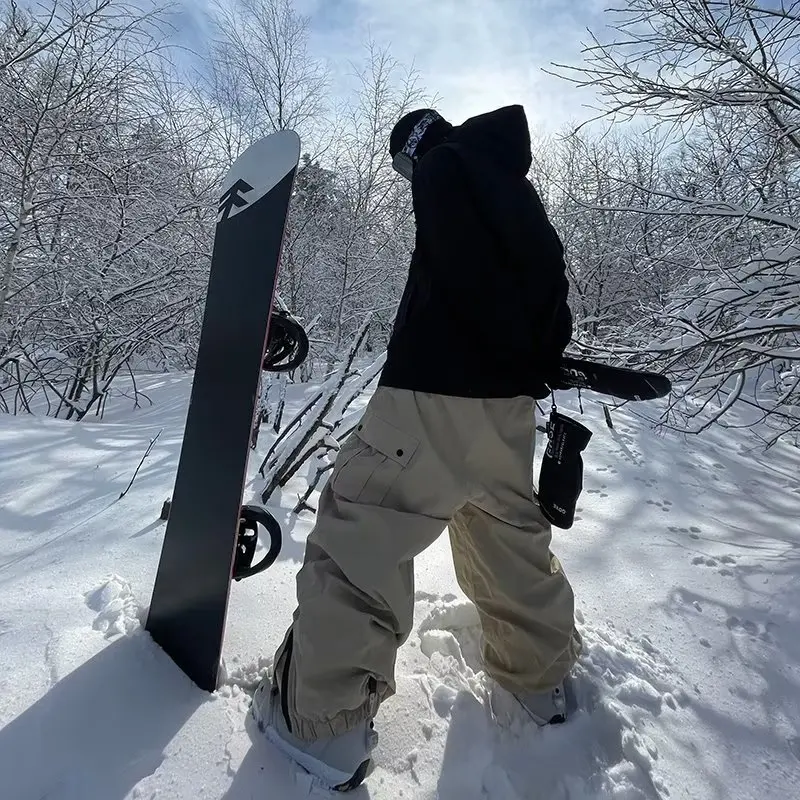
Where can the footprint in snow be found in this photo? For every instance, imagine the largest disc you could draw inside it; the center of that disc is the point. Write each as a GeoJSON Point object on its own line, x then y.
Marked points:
{"type": "Point", "coordinates": [794, 746]}
{"type": "Point", "coordinates": [734, 623]}
{"type": "Point", "coordinates": [118, 612]}
{"type": "Point", "coordinates": [704, 560]}
{"type": "Point", "coordinates": [694, 531]}
{"type": "Point", "coordinates": [709, 561]}
{"type": "Point", "coordinates": [751, 628]}
{"type": "Point", "coordinates": [620, 684]}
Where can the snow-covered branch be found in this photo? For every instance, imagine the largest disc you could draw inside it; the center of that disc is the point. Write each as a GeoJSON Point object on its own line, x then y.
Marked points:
{"type": "Point", "coordinates": [312, 433]}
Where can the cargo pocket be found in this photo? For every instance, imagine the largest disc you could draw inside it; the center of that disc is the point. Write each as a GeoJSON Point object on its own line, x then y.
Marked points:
{"type": "Point", "coordinates": [379, 453]}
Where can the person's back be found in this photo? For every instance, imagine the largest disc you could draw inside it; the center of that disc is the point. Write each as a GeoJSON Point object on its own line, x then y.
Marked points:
{"type": "Point", "coordinates": [484, 313]}
{"type": "Point", "coordinates": [446, 441]}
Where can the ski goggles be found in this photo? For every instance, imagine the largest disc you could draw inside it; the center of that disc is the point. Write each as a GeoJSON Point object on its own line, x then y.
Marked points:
{"type": "Point", "coordinates": [403, 164]}
{"type": "Point", "coordinates": [404, 160]}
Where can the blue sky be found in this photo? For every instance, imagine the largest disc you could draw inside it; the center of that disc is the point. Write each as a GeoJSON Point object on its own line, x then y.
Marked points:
{"type": "Point", "coordinates": [475, 54]}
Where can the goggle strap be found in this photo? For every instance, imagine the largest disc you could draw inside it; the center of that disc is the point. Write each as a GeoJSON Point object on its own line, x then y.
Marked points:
{"type": "Point", "coordinates": [415, 137]}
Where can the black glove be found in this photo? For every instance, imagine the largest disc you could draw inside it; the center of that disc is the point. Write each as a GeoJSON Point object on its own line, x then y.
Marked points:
{"type": "Point", "coordinates": [561, 474]}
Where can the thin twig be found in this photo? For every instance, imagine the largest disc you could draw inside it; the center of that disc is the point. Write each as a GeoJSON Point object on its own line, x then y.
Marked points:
{"type": "Point", "coordinates": [146, 453]}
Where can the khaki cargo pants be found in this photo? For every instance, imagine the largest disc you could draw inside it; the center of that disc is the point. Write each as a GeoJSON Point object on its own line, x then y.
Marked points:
{"type": "Point", "coordinates": [416, 464]}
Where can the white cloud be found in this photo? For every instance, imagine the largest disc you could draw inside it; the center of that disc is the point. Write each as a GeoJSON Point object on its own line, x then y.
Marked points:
{"type": "Point", "coordinates": [475, 54]}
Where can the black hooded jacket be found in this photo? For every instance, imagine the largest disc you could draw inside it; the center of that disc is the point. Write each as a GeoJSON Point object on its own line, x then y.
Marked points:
{"type": "Point", "coordinates": [484, 312]}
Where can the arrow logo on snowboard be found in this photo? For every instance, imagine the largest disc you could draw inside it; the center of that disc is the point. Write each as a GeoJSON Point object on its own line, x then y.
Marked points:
{"type": "Point", "coordinates": [233, 198]}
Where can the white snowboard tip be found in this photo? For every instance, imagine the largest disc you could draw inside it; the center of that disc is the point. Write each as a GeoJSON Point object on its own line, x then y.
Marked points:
{"type": "Point", "coordinates": [257, 170]}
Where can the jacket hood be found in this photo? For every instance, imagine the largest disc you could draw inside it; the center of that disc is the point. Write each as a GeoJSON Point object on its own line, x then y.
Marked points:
{"type": "Point", "coordinates": [502, 134]}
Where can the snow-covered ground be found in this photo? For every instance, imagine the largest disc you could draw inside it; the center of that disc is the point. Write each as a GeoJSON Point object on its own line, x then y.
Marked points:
{"type": "Point", "coordinates": [685, 559]}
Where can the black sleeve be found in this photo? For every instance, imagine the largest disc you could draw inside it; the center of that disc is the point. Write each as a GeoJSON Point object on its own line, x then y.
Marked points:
{"type": "Point", "coordinates": [457, 244]}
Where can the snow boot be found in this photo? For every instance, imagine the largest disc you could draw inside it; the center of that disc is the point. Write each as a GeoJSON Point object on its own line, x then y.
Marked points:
{"type": "Point", "coordinates": [544, 708]}
{"type": "Point", "coordinates": [340, 763]}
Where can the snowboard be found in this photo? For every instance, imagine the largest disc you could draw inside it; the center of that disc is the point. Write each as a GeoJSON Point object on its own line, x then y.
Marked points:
{"type": "Point", "coordinates": [620, 382]}
{"type": "Point", "coordinates": [190, 596]}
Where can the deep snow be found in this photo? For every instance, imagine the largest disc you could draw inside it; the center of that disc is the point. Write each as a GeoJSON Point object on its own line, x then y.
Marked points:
{"type": "Point", "coordinates": [685, 559]}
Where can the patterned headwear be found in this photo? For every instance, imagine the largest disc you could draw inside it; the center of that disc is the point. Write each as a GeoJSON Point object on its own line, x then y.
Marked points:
{"type": "Point", "coordinates": [409, 132]}
{"type": "Point", "coordinates": [420, 129]}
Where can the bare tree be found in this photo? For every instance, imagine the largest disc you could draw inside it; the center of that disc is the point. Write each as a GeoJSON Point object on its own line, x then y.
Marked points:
{"type": "Point", "coordinates": [261, 74]}
{"type": "Point", "coordinates": [102, 225]}
{"type": "Point", "coordinates": [366, 267]}
{"type": "Point", "coordinates": [349, 236]}
{"type": "Point", "coordinates": [109, 167]}
{"type": "Point", "coordinates": [723, 77]}
{"type": "Point", "coordinates": [26, 34]}
{"type": "Point", "coordinates": [610, 250]}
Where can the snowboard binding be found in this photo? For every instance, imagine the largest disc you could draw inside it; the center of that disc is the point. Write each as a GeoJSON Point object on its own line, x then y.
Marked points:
{"type": "Point", "coordinates": [287, 348]}
{"type": "Point", "coordinates": [247, 539]}
{"type": "Point", "coordinates": [287, 345]}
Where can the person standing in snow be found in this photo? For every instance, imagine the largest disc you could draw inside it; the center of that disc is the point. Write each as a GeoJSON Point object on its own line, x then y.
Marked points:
{"type": "Point", "coordinates": [446, 441]}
